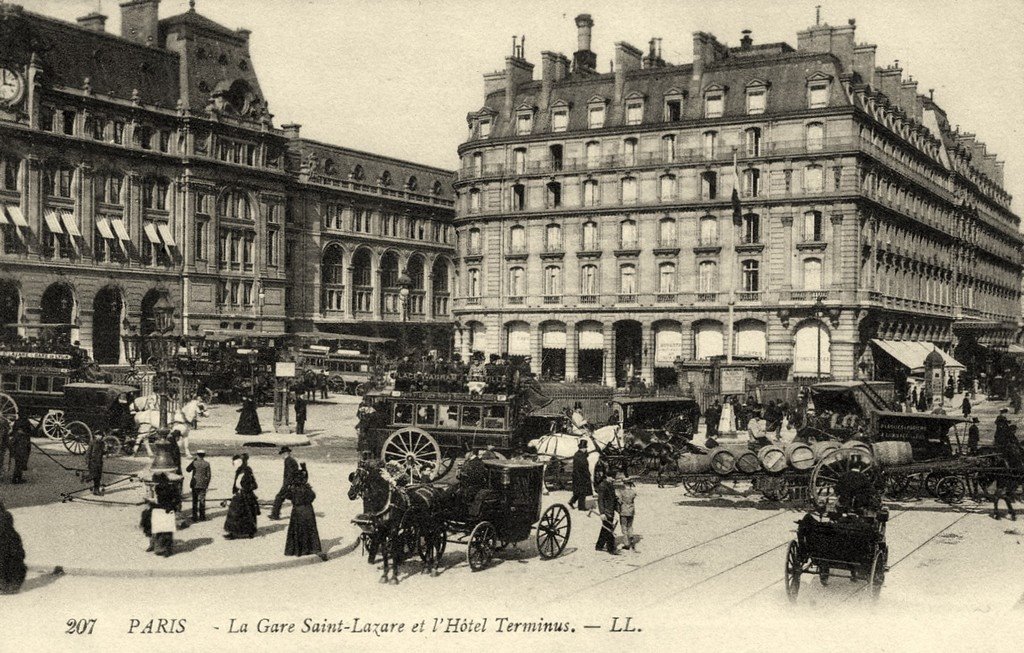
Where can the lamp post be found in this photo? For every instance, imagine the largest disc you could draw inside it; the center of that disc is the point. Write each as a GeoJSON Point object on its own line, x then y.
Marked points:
{"type": "Point", "coordinates": [404, 282]}
{"type": "Point", "coordinates": [819, 312]}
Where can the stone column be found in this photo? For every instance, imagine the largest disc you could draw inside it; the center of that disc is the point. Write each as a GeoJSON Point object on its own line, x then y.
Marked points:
{"type": "Point", "coordinates": [572, 346]}
{"type": "Point", "coordinates": [428, 291]}
{"type": "Point", "coordinates": [837, 251]}
{"type": "Point", "coordinates": [375, 296]}
{"type": "Point", "coordinates": [609, 355]}
{"type": "Point", "coordinates": [536, 349]}
{"type": "Point", "coordinates": [787, 252]}
{"type": "Point", "coordinates": [647, 348]}
{"type": "Point", "coordinates": [346, 294]}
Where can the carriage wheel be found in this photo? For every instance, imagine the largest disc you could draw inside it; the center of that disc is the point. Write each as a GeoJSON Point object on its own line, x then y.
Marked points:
{"type": "Point", "coordinates": [897, 486]}
{"type": "Point", "coordinates": [76, 437]}
{"type": "Point", "coordinates": [794, 567]}
{"type": "Point", "coordinates": [775, 489]}
{"type": "Point", "coordinates": [931, 482]}
{"type": "Point", "coordinates": [111, 445]}
{"type": "Point", "coordinates": [951, 490]}
{"type": "Point", "coordinates": [877, 578]}
{"type": "Point", "coordinates": [553, 531]}
{"type": "Point", "coordinates": [362, 389]}
{"type": "Point", "coordinates": [52, 424]}
{"type": "Point", "coordinates": [412, 445]}
{"type": "Point", "coordinates": [701, 486]}
{"type": "Point", "coordinates": [553, 475]}
{"type": "Point", "coordinates": [480, 550]}
{"type": "Point", "coordinates": [834, 466]}
{"type": "Point", "coordinates": [8, 408]}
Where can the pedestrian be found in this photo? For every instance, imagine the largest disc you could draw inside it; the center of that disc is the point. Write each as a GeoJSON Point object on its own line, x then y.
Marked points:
{"type": "Point", "coordinates": [626, 495]}
{"type": "Point", "coordinates": [581, 483]}
{"type": "Point", "coordinates": [711, 417]}
{"type": "Point", "coordinates": [607, 505]}
{"type": "Point", "coordinates": [163, 520]}
{"type": "Point", "coordinates": [1004, 485]}
{"type": "Point", "coordinates": [965, 407]}
{"type": "Point", "coordinates": [12, 554]}
{"type": "Point", "coordinates": [323, 380]}
{"type": "Point", "coordinates": [5, 441]}
{"type": "Point", "coordinates": [200, 483]}
{"type": "Point", "coordinates": [94, 462]}
{"type": "Point", "coordinates": [300, 414]}
{"type": "Point", "coordinates": [248, 420]}
{"type": "Point", "coordinates": [303, 537]}
{"type": "Point", "coordinates": [244, 506]}
{"type": "Point", "coordinates": [913, 396]}
{"type": "Point", "coordinates": [20, 448]}
{"type": "Point", "coordinates": [973, 437]}
{"type": "Point", "coordinates": [291, 475]}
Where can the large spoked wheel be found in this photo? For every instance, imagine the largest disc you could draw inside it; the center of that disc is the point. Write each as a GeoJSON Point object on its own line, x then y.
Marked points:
{"type": "Point", "coordinates": [700, 486]}
{"type": "Point", "coordinates": [52, 424]}
{"type": "Point", "coordinates": [8, 408]}
{"type": "Point", "coordinates": [877, 578]}
{"type": "Point", "coordinates": [951, 490]}
{"type": "Point", "coordinates": [412, 447]}
{"type": "Point", "coordinates": [480, 551]}
{"type": "Point", "coordinates": [111, 445]}
{"type": "Point", "coordinates": [831, 469]}
{"type": "Point", "coordinates": [553, 531]}
{"type": "Point", "coordinates": [931, 483]}
{"type": "Point", "coordinates": [897, 486]}
{"type": "Point", "coordinates": [775, 489]}
{"type": "Point", "coordinates": [794, 567]}
{"type": "Point", "coordinates": [76, 437]}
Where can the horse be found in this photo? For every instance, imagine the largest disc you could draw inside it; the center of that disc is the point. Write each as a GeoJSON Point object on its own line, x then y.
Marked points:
{"type": "Point", "coordinates": [185, 419]}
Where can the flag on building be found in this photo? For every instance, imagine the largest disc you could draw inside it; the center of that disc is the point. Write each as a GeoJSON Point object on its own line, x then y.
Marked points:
{"type": "Point", "coordinates": [737, 209]}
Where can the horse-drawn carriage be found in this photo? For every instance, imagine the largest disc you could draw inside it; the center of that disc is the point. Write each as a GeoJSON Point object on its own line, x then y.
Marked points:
{"type": "Point", "coordinates": [487, 517]}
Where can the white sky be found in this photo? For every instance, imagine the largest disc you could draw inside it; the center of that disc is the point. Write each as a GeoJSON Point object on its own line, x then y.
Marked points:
{"type": "Point", "coordinates": [398, 76]}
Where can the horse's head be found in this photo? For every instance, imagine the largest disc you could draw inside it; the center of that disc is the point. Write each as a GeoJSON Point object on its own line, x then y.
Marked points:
{"type": "Point", "coordinates": [367, 483]}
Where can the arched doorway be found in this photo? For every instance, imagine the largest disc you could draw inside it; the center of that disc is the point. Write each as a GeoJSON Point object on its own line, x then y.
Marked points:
{"type": "Point", "coordinates": [552, 337]}
{"type": "Point", "coordinates": [107, 316]}
{"type": "Point", "coordinates": [148, 319]}
{"type": "Point", "coordinates": [10, 308]}
{"type": "Point", "coordinates": [389, 284]}
{"type": "Point", "coordinates": [628, 352]}
{"type": "Point", "coordinates": [750, 340]}
{"type": "Point", "coordinates": [811, 357]}
{"type": "Point", "coordinates": [708, 340]}
{"type": "Point", "coordinates": [517, 339]}
{"type": "Point", "coordinates": [668, 346]}
{"type": "Point", "coordinates": [60, 309]}
{"type": "Point", "coordinates": [332, 279]}
{"type": "Point", "coordinates": [590, 359]}
{"type": "Point", "coordinates": [362, 281]}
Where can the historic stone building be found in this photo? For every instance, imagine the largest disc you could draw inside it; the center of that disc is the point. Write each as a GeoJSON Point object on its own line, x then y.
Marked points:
{"type": "Point", "coordinates": [142, 173]}
{"type": "Point", "coordinates": [598, 234]}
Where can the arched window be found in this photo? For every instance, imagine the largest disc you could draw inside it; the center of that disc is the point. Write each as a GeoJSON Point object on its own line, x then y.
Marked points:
{"type": "Point", "coordinates": [591, 196]}
{"type": "Point", "coordinates": [517, 238]}
{"type": "Point", "coordinates": [107, 188]}
{"type": "Point", "coordinates": [708, 340]}
{"type": "Point", "coordinates": [667, 278]}
{"type": "Point", "coordinates": [628, 234]}
{"type": "Point", "coordinates": [516, 286]}
{"type": "Point", "coordinates": [668, 148]}
{"type": "Point", "coordinates": [385, 178]}
{"type": "Point", "coordinates": [234, 204]}
{"type": "Point", "coordinates": [10, 177]}
{"type": "Point", "coordinates": [357, 172]}
{"type": "Point", "coordinates": [812, 274]}
{"type": "Point", "coordinates": [751, 270]}
{"type": "Point", "coordinates": [667, 232]}
{"type": "Point", "coordinates": [750, 339]}
{"type": "Point", "coordinates": [811, 350]}
{"type": "Point", "coordinates": [667, 188]}
{"type": "Point", "coordinates": [627, 279]}
{"type": "Point", "coordinates": [554, 195]}
{"type": "Point", "coordinates": [437, 188]}
{"type": "Point", "coordinates": [629, 190]}
{"type": "Point", "coordinates": [553, 238]}
{"type": "Point", "coordinates": [330, 168]}
{"type": "Point", "coordinates": [589, 236]}
{"type": "Point", "coordinates": [815, 136]}
{"type": "Point", "coordinates": [588, 279]}
{"type": "Point", "coordinates": [154, 193]}
{"type": "Point", "coordinates": [412, 183]}
{"type": "Point", "coordinates": [57, 179]}
{"type": "Point", "coordinates": [552, 280]}
{"type": "Point", "coordinates": [707, 277]}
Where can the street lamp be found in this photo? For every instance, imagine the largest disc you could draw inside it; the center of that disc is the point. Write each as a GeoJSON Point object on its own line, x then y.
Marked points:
{"type": "Point", "coordinates": [819, 312]}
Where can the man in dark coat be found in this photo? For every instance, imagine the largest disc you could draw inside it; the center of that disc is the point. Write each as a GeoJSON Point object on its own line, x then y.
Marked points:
{"type": "Point", "coordinates": [291, 476]}
{"type": "Point", "coordinates": [973, 437]}
{"type": "Point", "coordinates": [300, 414]}
{"type": "Point", "coordinates": [607, 504]}
{"type": "Point", "coordinates": [965, 406]}
{"type": "Point", "coordinates": [5, 438]}
{"type": "Point", "coordinates": [21, 447]}
{"type": "Point", "coordinates": [581, 483]}
{"type": "Point", "coordinates": [199, 484]}
{"type": "Point", "coordinates": [94, 462]}
{"type": "Point", "coordinates": [711, 418]}
{"type": "Point", "coordinates": [12, 554]}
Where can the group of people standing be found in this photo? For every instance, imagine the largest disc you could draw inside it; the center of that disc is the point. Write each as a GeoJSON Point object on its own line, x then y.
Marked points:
{"type": "Point", "coordinates": [616, 495]}
{"type": "Point", "coordinates": [15, 447]}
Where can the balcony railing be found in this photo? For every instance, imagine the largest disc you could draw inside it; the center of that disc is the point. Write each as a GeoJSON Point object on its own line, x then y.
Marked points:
{"type": "Point", "coordinates": [516, 300]}
{"type": "Point", "coordinates": [552, 299]}
{"type": "Point", "coordinates": [748, 296]}
{"type": "Point", "coordinates": [665, 297]}
{"type": "Point", "coordinates": [627, 298]}
{"type": "Point", "coordinates": [441, 306]}
{"type": "Point", "coordinates": [588, 299]}
{"type": "Point", "coordinates": [707, 297]}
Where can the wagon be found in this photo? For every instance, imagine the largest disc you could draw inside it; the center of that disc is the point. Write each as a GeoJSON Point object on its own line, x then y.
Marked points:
{"type": "Point", "coordinates": [97, 408]}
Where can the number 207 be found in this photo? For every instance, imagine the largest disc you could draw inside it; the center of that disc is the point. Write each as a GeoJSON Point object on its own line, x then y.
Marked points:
{"type": "Point", "coordinates": [80, 626]}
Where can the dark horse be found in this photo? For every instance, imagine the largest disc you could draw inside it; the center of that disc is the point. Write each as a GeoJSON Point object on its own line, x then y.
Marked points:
{"type": "Point", "coordinates": [399, 521]}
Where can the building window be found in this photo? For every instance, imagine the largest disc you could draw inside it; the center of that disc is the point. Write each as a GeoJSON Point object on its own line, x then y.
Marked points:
{"type": "Point", "coordinates": [817, 95]}
{"type": "Point", "coordinates": [165, 141]}
{"type": "Point", "coordinates": [595, 117]}
{"type": "Point", "coordinates": [553, 238]}
{"type": "Point", "coordinates": [154, 194]}
{"type": "Point", "coordinates": [634, 112]}
{"type": "Point", "coordinates": [813, 227]}
{"type": "Point", "coordinates": [590, 193]}
{"type": "Point", "coordinates": [474, 241]}
{"type": "Point", "coordinates": [813, 179]}
{"type": "Point", "coordinates": [200, 240]}
{"type": "Point", "coordinates": [58, 180]}
{"type": "Point", "coordinates": [627, 279]}
{"type": "Point", "coordinates": [332, 216]}
{"type": "Point", "coordinates": [667, 188]}
{"type": "Point", "coordinates": [756, 100]}
{"type": "Point", "coordinates": [667, 278]}
{"type": "Point", "coordinates": [117, 133]}
{"type": "Point", "coordinates": [668, 147]}
{"type": "Point", "coordinates": [559, 120]}
{"type": "Point", "coordinates": [707, 277]}
{"type": "Point", "coordinates": [751, 276]}
{"type": "Point", "coordinates": [518, 197]}
{"type": "Point", "coordinates": [751, 228]}
{"type": "Point", "coordinates": [629, 190]}
{"type": "Point", "coordinates": [412, 183]}
{"type": "Point", "coordinates": [473, 281]}
{"type": "Point", "coordinates": [710, 141]}
{"type": "Point", "coordinates": [709, 185]}
{"type": "Point", "coordinates": [107, 188]}
{"type": "Point", "coordinates": [552, 280]}
{"type": "Point", "coordinates": [554, 195]}
{"type": "Point", "coordinates": [47, 116]}
{"type": "Point", "coordinates": [752, 138]}
{"type": "Point", "coordinates": [752, 182]}
{"type": "Point", "coordinates": [667, 232]}
{"type": "Point", "coordinates": [627, 234]}
{"type": "Point", "coordinates": [485, 127]}
{"type": "Point", "coordinates": [516, 287]}
{"type": "Point", "coordinates": [524, 124]}
{"type": "Point", "coordinates": [589, 236]}
{"type": "Point", "coordinates": [588, 279]}
{"type": "Point", "coordinates": [708, 231]}
{"type": "Point", "coordinates": [593, 154]}
{"type": "Point", "coordinates": [673, 110]}
{"type": "Point", "coordinates": [474, 200]}
{"type": "Point", "coordinates": [713, 104]}
{"type": "Point", "coordinates": [68, 122]}
{"type": "Point", "coordinates": [517, 238]}
{"type": "Point", "coordinates": [629, 152]}
{"type": "Point", "coordinates": [815, 137]}
{"type": "Point", "coordinates": [234, 204]}
{"type": "Point", "coordinates": [144, 137]}
{"type": "Point", "coordinates": [519, 160]}
{"type": "Point", "coordinates": [95, 126]}
{"type": "Point", "coordinates": [812, 274]}
{"type": "Point", "coordinates": [10, 178]}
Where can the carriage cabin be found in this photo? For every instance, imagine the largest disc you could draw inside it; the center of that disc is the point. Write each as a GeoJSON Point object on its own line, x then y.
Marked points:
{"type": "Point", "coordinates": [32, 382]}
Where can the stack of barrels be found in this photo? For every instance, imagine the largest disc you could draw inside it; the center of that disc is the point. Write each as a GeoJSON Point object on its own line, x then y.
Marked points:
{"type": "Point", "coordinates": [776, 458]}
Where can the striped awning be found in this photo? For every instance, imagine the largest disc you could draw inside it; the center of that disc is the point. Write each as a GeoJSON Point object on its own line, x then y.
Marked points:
{"type": "Point", "coordinates": [912, 354]}
{"type": "Point", "coordinates": [16, 216]}
{"type": "Point", "coordinates": [68, 219]}
{"type": "Point", "coordinates": [103, 226]}
{"type": "Point", "coordinates": [120, 229]}
{"type": "Point", "coordinates": [166, 235]}
{"type": "Point", "coordinates": [52, 221]}
{"type": "Point", "coordinates": [151, 235]}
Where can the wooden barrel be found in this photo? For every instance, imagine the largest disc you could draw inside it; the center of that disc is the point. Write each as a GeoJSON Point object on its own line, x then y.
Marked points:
{"type": "Point", "coordinates": [799, 455]}
{"type": "Point", "coordinates": [822, 449]}
{"type": "Point", "coordinates": [856, 444]}
{"type": "Point", "coordinates": [747, 461]}
{"type": "Point", "coordinates": [723, 461]}
{"type": "Point", "coordinates": [772, 458]}
{"type": "Point", "coordinates": [892, 452]}
{"type": "Point", "coordinates": [694, 463]}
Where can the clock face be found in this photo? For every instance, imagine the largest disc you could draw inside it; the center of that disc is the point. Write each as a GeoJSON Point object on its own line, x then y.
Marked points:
{"type": "Point", "coordinates": [11, 86]}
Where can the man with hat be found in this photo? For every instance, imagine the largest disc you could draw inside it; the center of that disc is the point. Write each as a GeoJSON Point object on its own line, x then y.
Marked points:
{"type": "Point", "coordinates": [973, 437]}
{"type": "Point", "coordinates": [200, 483]}
{"type": "Point", "coordinates": [291, 475]}
{"type": "Point", "coordinates": [300, 414]}
{"type": "Point", "coordinates": [581, 483]}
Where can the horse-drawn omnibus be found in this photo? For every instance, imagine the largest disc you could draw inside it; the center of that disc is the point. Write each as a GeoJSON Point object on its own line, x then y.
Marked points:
{"type": "Point", "coordinates": [32, 382]}
{"type": "Point", "coordinates": [348, 361]}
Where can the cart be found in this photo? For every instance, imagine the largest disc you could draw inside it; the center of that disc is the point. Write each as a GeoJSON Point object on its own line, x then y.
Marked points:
{"type": "Point", "coordinates": [98, 408]}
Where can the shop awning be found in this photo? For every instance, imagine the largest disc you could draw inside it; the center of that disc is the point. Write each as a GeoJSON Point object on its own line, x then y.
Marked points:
{"type": "Point", "coordinates": [166, 235]}
{"type": "Point", "coordinates": [68, 219]}
{"type": "Point", "coordinates": [103, 226]}
{"type": "Point", "coordinates": [151, 235]}
{"type": "Point", "coordinates": [52, 221]}
{"type": "Point", "coordinates": [16, 216]}
{"type": "Point", "coordinates": [1014, 349]}
{"type": "Point", "coordinates": [120, 229]}
{"type": "Point", "coordinates": [3, 215]}
{"type": "Point", "coordinates": [912, 354]}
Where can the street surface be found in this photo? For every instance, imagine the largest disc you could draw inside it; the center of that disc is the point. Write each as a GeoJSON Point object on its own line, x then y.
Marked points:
{"type": "Point", "coordinates": [708, 572]}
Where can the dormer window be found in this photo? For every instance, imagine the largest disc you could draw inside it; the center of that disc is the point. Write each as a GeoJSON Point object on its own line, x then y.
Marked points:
{"type": "Point", "coordinates": [818, 90]}
{"type": "Point", "coordinates": [524, 123]}
{"type": "Point", "coordinates": [484, 128]}
{"type": "Point", "coordinates": [595, 113]}
{"type": "Point", "coordinates": [673, 105]}
{"type": "Point", "coordinates": [559, 119]}
{"type": "Point", "coordinates": [634, 111]}
{"type": "Point", "coordinates": [714, 103]}
{"type": "Point", "coordinates": [757, 97]}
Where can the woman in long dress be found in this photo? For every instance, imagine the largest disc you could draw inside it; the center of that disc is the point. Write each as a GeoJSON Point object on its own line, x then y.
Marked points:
{"type": "Point", "coordinates": [303, 536]}
{"type": "Point", "coordinates": [244, 506]}
{"type": "Point", "coordinates": [248, 420]}
{"type": "Point", "coordinates": [12, 555]}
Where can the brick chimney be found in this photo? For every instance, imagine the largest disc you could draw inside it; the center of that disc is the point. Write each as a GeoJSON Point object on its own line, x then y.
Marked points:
{"type": "Point", "coordinates": [139, 21]}
{"type": "Point", "coordinates": [554, 67]}
{"type": "Point", "coordinates": [627, 58]}
{"type": "Point", "coordinates": [94, 21]}
{"type": "Point", "coordinates": [584, 59]}
{"type": "Point", "coordinates": [864, 62]}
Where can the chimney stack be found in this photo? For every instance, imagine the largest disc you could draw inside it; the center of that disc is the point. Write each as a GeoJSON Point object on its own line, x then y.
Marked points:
{"type": "Point", "coordinates": [627, 58]}
{"type": "Point", "coordinates": [139, 21]}
{"type": "Point", "coordinates": [653, 58]}
{"type": "Point", "coordinates": [746, 42]}
{"type": "Point", "coordinates": [553, 68]}
{"type": "Point", "coordinates": [94, 21]}
{"type": "Point", "coordinates": [584, 60]}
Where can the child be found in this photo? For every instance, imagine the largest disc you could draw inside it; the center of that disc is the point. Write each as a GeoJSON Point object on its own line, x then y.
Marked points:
{"type": "Point", "coordinates": [627, 497]}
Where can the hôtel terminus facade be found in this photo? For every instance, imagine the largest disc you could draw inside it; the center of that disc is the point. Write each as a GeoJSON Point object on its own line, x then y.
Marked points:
{"type": "Point", "coordinates": [143, 172]}
{"type": "Point", "coordinates": [597, 231]}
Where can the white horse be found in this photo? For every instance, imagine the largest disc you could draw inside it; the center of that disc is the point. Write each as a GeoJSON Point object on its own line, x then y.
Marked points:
{"type": "Point", "coordinates": [181, 421]}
